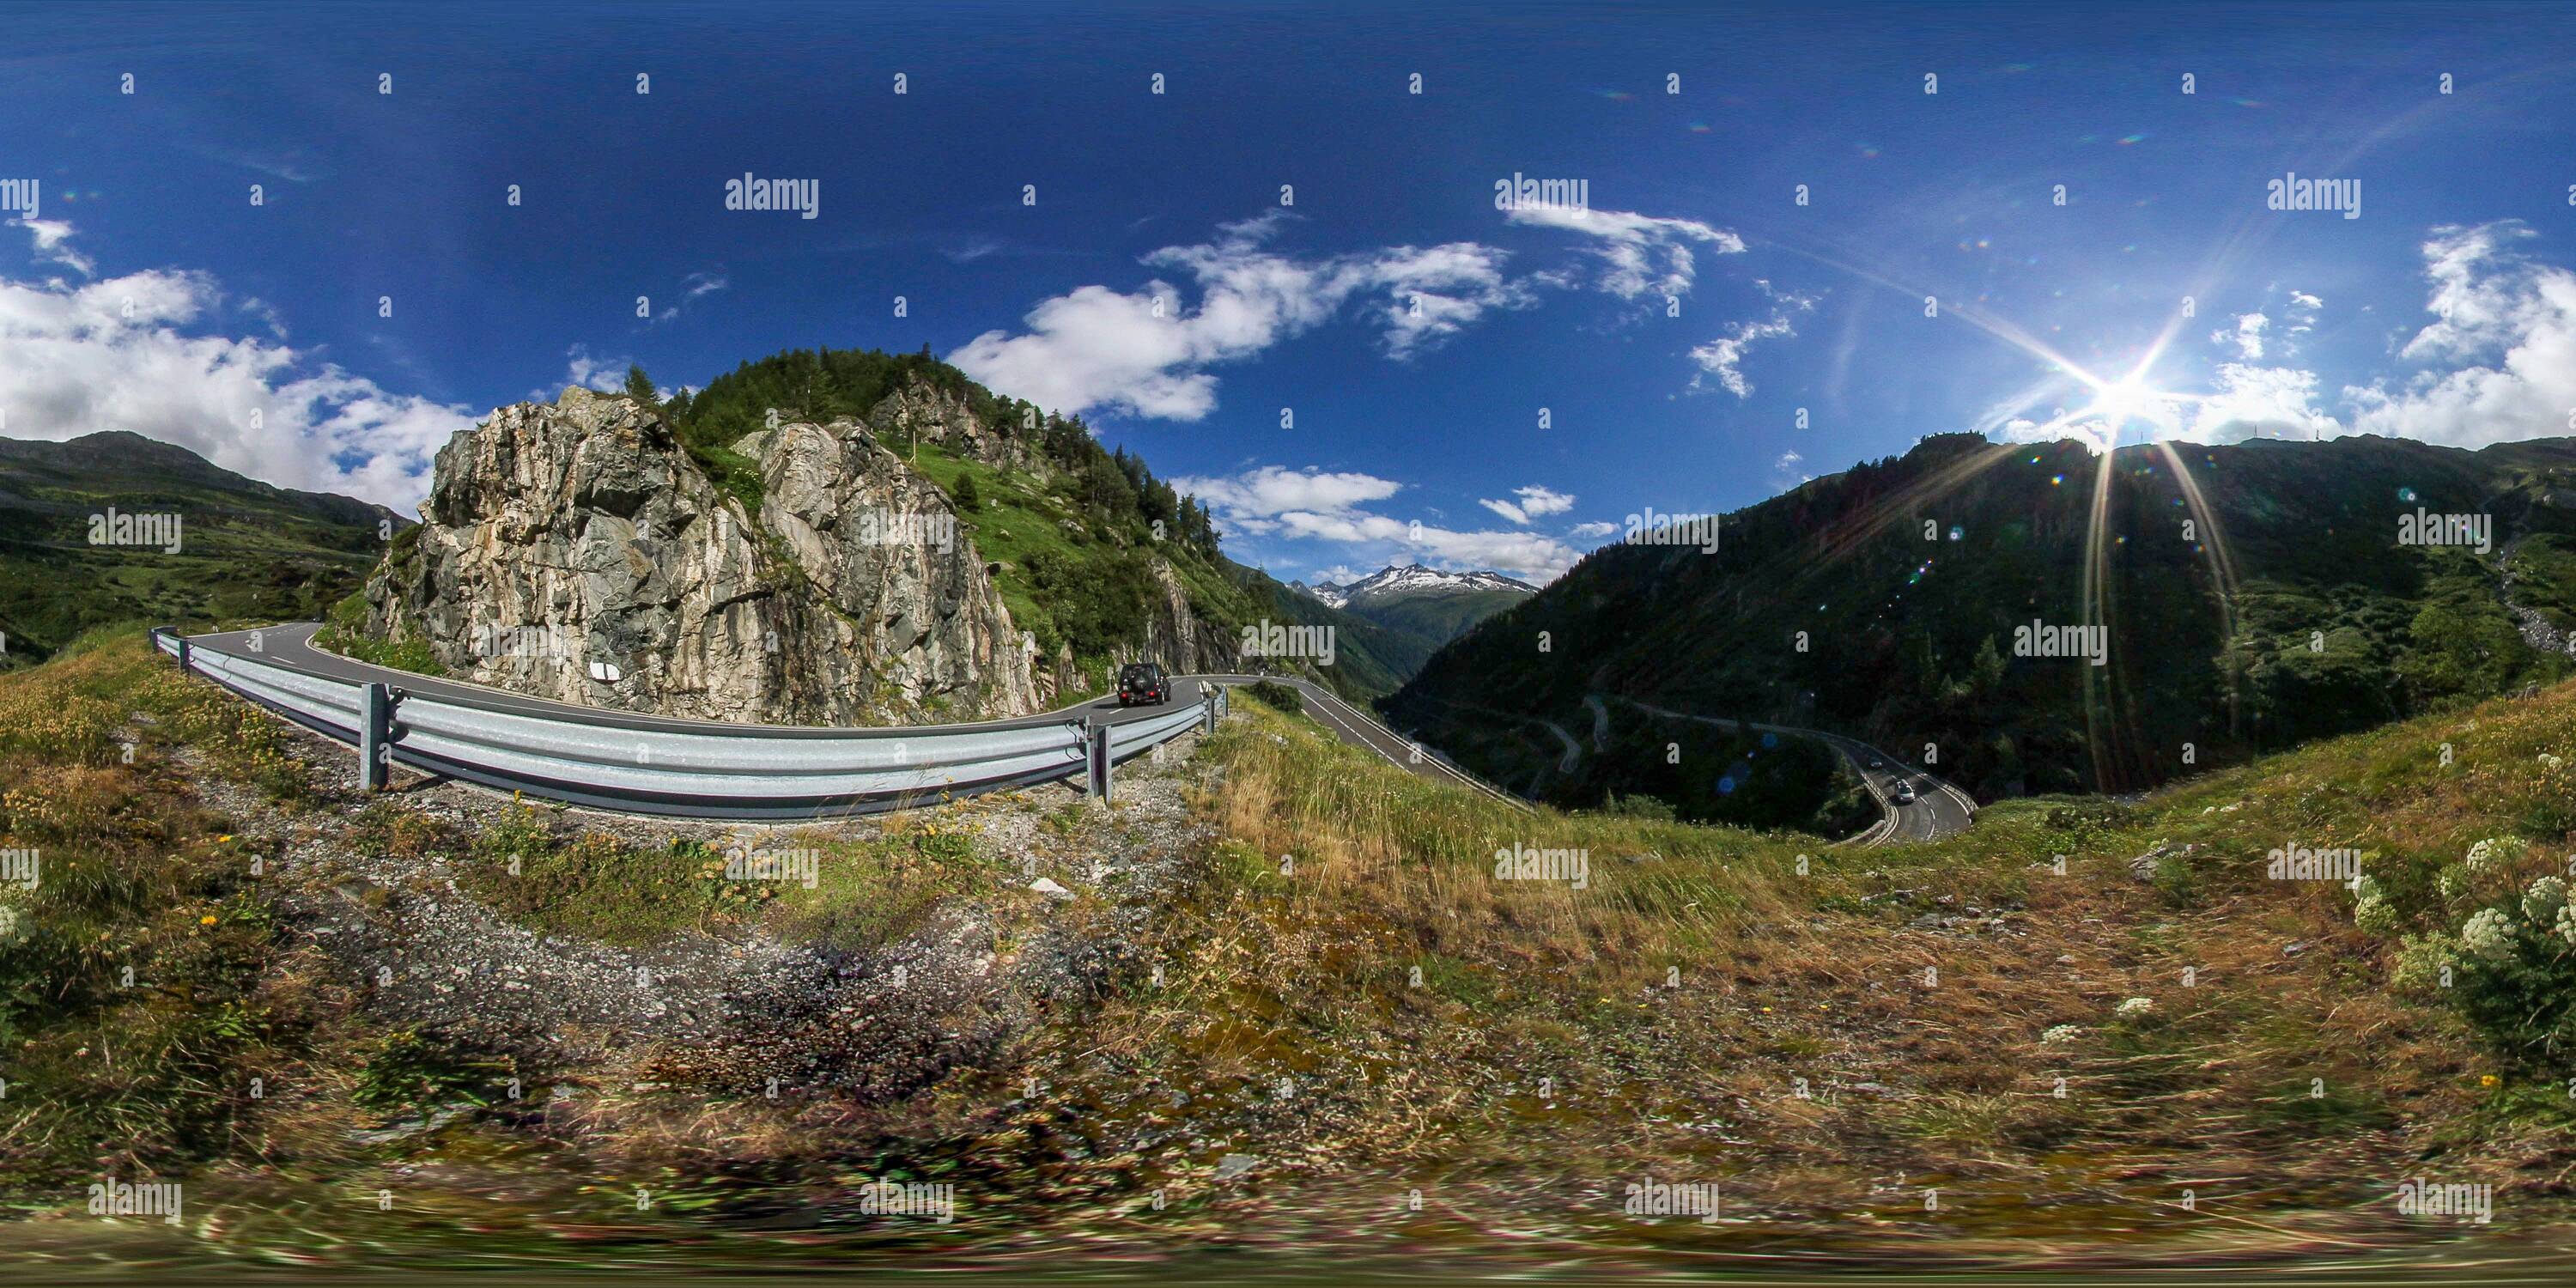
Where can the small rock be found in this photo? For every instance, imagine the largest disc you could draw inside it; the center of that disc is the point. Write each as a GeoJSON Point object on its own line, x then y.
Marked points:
{"type": "Point", "coordinates": [1047, 886]}
{"type": "Point", "coordinates": [1234, 1165]}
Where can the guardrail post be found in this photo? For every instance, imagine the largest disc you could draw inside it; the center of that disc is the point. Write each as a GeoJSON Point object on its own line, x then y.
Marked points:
{"type": "Point", "coordinates": [375, 723]}
{"type": "Point", "coordinates": [1210, 703]}
{"type": "Point", "coordinates": [1100, 762]}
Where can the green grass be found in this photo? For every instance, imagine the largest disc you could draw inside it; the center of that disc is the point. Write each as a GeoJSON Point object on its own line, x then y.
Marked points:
{"type": "Point", "coordinates": [345, 632]}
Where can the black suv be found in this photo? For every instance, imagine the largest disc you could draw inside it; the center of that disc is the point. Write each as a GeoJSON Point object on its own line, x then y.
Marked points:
{"type": "Point", "coordinates": [1143, 682]}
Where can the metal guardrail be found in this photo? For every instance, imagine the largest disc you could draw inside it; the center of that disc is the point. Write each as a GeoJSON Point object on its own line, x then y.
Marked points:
{"type": "Point", "coordinates": [748, 772]}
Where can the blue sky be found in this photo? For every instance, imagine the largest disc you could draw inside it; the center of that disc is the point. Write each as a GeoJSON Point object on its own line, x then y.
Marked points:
{"type": "Point", "coordinates": [1672, 330]}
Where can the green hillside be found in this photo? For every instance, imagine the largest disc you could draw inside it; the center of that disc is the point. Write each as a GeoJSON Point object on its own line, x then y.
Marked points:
{"type": "Point", "coordinates": [1073, 529]}
{"type": "Point", "coordinates": [1437, 617]}
{"type": "Point", "coordinates": [1882, 602]}
{"type": "Point", "coordinates": [247, 550]}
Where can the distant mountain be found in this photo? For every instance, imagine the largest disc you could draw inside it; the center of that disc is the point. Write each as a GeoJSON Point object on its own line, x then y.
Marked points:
{"type": "Point", "coordinates": [1424, 601]}
{"type": "Point", "coordinates": [245, 549]}
{"type": "Point", "coordinates": [2252, 596]}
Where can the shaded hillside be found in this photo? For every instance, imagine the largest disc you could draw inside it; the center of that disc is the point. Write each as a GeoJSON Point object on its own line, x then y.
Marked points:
{"type": "Point", "coordinates": [247, 549]}
{"type": "Point", "coordinates": [1883, 602]}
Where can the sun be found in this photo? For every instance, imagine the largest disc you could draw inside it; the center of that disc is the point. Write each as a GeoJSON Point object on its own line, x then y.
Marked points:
{"type": "Point", "coordinates": [2130, 401]}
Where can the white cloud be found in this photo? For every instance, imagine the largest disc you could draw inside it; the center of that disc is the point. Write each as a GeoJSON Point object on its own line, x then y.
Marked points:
{"type": "Point", "coordinates": [602, 375]}
{"type": "Point", "coordinates": [53, 244]}
{"type": "Point", "coordinates": [2301, 312]}
{"type": "Point", "coordinates": [2255, 334]}
{"type": "Point", "coordinates": [691, 288]}
{"type": "Point", "coordinates": [2514, 318]}
{"type": "Point", "coordinates": [1723, 357]}
{"type": "Point", "coordinates": [1587, 531]}
{"type": "Point", "coordinates": [1639, 253]}
{"type": "Point", "coordinates": [1273, 490]}
{"type": "Point", "coordinates": [1788, 462]}
{"type": "Point", "coordinates": [129, 353]}
{"type": "Point", "coordinates": [1314, 505]}
{"type": "Point", "coordinates": [1145, 353]}
{"type": "Point", "coordinates": [2247, 337]}
{"type": "Point", "coordinates": [1535, 503]}
{"type": "Point", "coordinates": [2259, 402]}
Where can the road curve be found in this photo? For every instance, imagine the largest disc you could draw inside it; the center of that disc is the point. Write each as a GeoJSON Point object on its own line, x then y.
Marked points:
{"type": "Point", "coordinates": [1938, 809]}
{"type": "Point", "coordinates": [1359, 728]}
{"type": "Point", "coordinates": [291, 646]}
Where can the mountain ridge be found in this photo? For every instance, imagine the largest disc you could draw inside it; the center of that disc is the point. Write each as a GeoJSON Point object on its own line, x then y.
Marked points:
{"type": "Point", "coordinates": [1884, 602]}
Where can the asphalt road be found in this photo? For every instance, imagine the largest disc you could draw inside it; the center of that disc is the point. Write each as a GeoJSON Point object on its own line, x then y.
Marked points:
{"type": "Point", "coordinates": [1937, 810]}
{"type": "Point", "coordinates": [1359, 728]}
{"type": "Point", "coordinates": [291, 646]}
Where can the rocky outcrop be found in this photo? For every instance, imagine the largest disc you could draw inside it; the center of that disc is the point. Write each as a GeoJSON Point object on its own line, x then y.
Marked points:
{"type": "Point", "coordinates": [926, 413]}
{"type": "Point", "coordinates": [576, 551]}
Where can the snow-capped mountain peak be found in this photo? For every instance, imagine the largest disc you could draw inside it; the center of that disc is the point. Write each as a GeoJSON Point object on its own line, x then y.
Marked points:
{"type": "Point", "coordinates": [1412, 580]}
{"type": "Point", "coordinates": [1331, 595]}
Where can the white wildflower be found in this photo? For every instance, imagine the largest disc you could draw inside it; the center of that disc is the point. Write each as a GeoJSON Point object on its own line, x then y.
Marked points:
{"type": "Point", "coordinates": [2374, 915]}
{"type": "Point", "coordinates": [2452, 881]}
{"type": "Point", "coordinates": [2061, 1033]}
{"type": "Point", "coordinates": [2541, 903]}
{"type": "Point", "coordinates": [2491, 852]}
{"type": "Point", "coordinates": [2134, 1006]}
{"type": "Point", "coordinates": [2489, 934]}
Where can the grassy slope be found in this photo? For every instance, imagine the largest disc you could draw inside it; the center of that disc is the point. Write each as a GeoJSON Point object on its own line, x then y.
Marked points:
{"type": "Point", "coordinates": [247, 550]}
{"type": "Point", "coordinates": [1656, 1025]}
{"type": "Point", "coordinates": [1820, 976]}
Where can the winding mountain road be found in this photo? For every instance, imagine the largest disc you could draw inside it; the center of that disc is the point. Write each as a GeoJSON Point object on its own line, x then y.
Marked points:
{"type": "Point", "coordinates": [1937, 810]}
{"type": "Point", "coordinates": [291, 646]}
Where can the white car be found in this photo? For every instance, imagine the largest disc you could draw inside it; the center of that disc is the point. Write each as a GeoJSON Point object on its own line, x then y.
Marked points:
{"type": "Point", "coordinates": [1905, 793]}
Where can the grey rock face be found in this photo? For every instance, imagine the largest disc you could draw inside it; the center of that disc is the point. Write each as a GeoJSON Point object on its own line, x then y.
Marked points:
{"type": "Point", "coordinates": [577, 552]}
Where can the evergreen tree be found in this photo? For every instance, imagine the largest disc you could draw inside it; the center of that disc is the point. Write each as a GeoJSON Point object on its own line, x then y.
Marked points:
{"type": "Point", "coordinates": [640, 386]}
